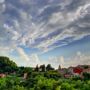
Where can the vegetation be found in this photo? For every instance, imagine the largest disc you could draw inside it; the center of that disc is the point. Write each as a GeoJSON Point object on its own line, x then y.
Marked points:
{"type": "Point", "coordinates": [49, 67]}
{"type": "Point", "coordinates": [39, 82]}
{"type": "Point", "coordinates": [45, 79]}
{"type": "Point", "coordinates": [6, 65]}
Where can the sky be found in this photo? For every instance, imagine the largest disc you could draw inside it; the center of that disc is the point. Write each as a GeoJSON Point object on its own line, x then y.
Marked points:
{"type": "Point", "coordinates": [55, 32]}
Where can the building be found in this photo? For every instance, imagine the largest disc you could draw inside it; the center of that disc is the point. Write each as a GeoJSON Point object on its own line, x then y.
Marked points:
{"type": "Point", "coordinates": [86, 70]}
{"type": "Point", "coordinates": [77, 71]}
{"type": "Point", "coordinates": [62, 71]}
{"type": "Point", "coordinates": [2, 75]}
{"type": "Point", "coordinates": [74, 71]}
{"type": "Point", "coordinates": [70, 70]}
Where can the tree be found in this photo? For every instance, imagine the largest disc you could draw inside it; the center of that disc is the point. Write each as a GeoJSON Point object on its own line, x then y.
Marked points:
{"type": "Point", "coordinates": [42, 68]}
{"type": "Point", "coordinates": [86, 76]}
{"type": "Point", "coordinates": [6, 65]}
{"type": "Point", "coordinates": [86, 66]}
{"type": "Point", "coordinates": [37, 68]}
{"type": "Point", "coordinates": [49, 67]}
{"type": "Point", "coordinates": [17, 87]}
{"type": "Point", "coordinates": [27, 70]}
{"type": "Point", "coordinates": [2, 84]}
{"type": "Point", "coordinates": [66, 86]}
{"type": "Point", "coordinates": [22, 70]}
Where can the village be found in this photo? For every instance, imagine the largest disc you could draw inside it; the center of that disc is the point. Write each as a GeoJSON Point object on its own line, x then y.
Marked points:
{"type": "Point", "coordinates": [69, 72]}
{"type": "Point", "coordinates": [74, 71]}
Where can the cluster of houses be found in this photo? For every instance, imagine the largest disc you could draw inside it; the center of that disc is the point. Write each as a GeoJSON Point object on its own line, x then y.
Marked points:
{"type": "Point", "coordinates": [74, 71]}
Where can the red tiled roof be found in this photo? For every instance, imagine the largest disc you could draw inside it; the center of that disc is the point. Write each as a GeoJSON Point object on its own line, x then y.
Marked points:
{"type": "Point", "coordinates": [78, 70]}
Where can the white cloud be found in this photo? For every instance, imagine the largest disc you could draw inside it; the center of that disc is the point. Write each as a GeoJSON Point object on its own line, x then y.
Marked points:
{"type": "Point", "coordinates": [34, 60]}
{"type": "Point", "coordinates": [23, 55]}
{"type": "Point", "coordinates": [78, 59]}
{"type": "Point", "coordinates": [2, 1]}
{"type": "Point", "coordinates": [55, 61]}
{"type": "Point", "coordinates": [4, 51]}
{"type": "Point", "coordinates": [2, 6]}
{"type": "Point", "coordinates": [13, 33]}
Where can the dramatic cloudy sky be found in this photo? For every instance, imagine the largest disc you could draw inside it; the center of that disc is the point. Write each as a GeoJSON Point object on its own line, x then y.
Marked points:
{"type": "Point", "coordinates": [45, 31]}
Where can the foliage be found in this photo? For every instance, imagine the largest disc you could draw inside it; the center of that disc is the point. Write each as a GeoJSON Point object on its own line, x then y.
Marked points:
{"type": "Point", "coordinates": [49, 67]}
{"type": "Point", "coordinates": [42, 68]}
{"type": "Point", "coordinates": [37, 68]}
{"type": "Point", "coordinates": [37, 81]}
{"type": "Point", "coordinates": [86, 76]}
{"type": "Point", "coordinates": [6, 65]}
{"type": "Point", "coordinates": [52, 74]}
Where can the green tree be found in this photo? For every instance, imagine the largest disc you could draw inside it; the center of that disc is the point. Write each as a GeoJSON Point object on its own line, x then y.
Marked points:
{"type": "Point", "coordinates": [37, 68]}
{"type": "Point", "coordinates": [17, 87]}
{"type": "Point", "coordinates": [6, 65]}
{"type": "Point", "coordinates": [49, 67]}
{"type": "Point", "coordinates": [3, 84]}
{"type": "Point", "coordinates": [67, 86]}
{"type": "Point", "coordinates": [86, 76]}
{"type": "Point", "coordinates": [42, 68]}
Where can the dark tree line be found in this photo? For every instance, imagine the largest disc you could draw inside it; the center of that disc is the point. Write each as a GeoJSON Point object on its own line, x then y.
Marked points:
{"type": "Point", "coordinates": [8, 66]}
{"type": "Point", "coordinates": [44, 68]}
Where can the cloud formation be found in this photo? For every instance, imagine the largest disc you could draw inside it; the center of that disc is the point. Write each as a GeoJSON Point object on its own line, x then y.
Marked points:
{"type": "Point", "coordinates": [42, 24]}
{"type": "Point", "coordinates": [45, 24]}
{"type": "Point", "coordinates": [78, 59]}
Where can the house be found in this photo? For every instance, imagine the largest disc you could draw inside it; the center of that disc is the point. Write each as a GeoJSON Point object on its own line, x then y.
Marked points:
{"type": "Point", "coordinates": [2, 75]}
{"type": "Point", "coordinates": [70, 70]}
{"type": "Point", "coordinates": [74, 71]}
{"type": "Point", "coordinates": [86, 70]}
{"type": "Point", "coordinates": [77, 71]}
{"type": "Point", "coordinates": [62, 71]}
